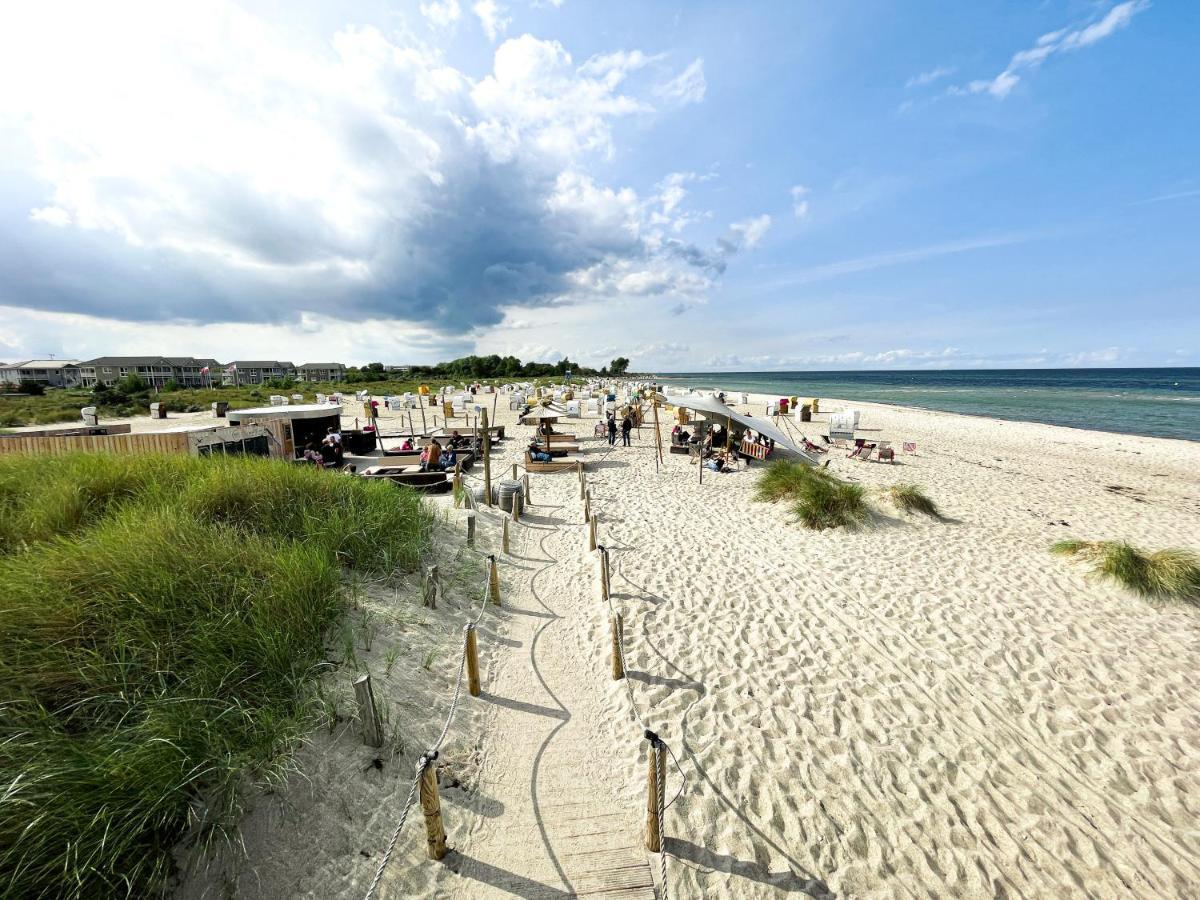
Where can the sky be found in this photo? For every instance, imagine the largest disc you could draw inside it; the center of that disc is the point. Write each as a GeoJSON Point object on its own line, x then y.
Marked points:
{"type": "Point", "coordinates": [695, 186]}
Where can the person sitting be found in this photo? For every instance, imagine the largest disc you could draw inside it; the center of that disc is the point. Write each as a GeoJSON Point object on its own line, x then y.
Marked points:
{"type": "Point", "coordinates": [684, 437]}
{"type": "Point", "coordinates": [407, 445]}
{"type": "Point", "coordinates": [425, 459]}
{"type": "Point", "coordinates": [457, 440]}
{"type": "Point", "coordinates": [434, 462]}
{"type": "Point", "coordinates": [448, 458]}
{"type": "Point", "coordinates": [313, 455]}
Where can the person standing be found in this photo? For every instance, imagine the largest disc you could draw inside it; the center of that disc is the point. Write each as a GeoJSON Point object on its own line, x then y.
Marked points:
{"type": "Point", "coordinates": [612, 429]}
{"type": "Point", "coordinates": [626, 427]}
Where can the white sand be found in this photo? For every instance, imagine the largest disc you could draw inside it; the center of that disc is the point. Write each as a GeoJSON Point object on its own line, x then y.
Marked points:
{"type": "Point", "coordinates": [921, 708]}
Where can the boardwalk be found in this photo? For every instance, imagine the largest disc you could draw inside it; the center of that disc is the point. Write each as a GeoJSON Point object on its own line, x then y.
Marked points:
{"type": "Point", "coordinates": [562, 832]}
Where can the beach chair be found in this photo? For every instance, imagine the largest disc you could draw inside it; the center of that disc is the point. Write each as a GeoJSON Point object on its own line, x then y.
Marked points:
{"type": "Point", "coordinates": [601, 430]}
{"type": "Point", "coordinates": [865, 452]}
{"type": "Point", "coordinates": [859, 443]}
{"type": "Point", "coordinates": [910, 447]}
{"type": "Point", "coordinates": [568, 464]}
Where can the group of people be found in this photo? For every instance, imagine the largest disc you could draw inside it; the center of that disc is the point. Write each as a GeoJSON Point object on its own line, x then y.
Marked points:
{"type": "Point", "coordinates": [436, 458]}
{"type": "Point", "coordinates": [330, 453]}
{"type": "Point", "coordinates": [626, 428]}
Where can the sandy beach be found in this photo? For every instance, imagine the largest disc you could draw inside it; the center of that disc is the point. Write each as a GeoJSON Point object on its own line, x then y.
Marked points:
{"type": "Point", "coordinates": [919, 708]}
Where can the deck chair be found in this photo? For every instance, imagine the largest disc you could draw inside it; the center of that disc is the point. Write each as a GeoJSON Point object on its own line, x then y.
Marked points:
{"type": "Point", "coordinates": [910, 447]}
{"type": "Point", "coordinates": [887, 453]}
{"type": "Point", "coordinates": [865, 451]}
{"type": "Point", "coordinates": [859, 444]}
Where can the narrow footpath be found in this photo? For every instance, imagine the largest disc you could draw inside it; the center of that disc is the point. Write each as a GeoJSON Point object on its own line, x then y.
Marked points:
{"type": "Point", "coordinates": [559, 829]}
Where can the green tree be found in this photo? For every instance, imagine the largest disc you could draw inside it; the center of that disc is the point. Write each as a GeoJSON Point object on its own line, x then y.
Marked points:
{"type": "Point", "coordinates": [619, 366]}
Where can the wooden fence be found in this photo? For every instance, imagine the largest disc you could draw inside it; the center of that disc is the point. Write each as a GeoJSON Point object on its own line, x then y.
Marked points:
{"type": "Point", "coordinates": [100, 443]}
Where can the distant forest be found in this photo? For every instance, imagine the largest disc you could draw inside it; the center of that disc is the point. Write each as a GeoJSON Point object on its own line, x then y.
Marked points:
{"type": "Point", "coordinates": [490, 367]}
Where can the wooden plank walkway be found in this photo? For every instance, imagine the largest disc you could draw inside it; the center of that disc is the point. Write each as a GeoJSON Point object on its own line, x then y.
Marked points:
{"type": "Point", "coordinates": [561, 832]}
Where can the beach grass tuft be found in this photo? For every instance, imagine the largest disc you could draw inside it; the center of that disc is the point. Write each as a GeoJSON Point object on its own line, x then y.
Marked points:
{"type": "Point", "coordinates": [910, 498]}
{"type": "Point", "coordinates": [819, 499]}
{"type": "Point", "coordinates": [1172, 574]}
{"type": "Point", "coordinates": [162, 629]}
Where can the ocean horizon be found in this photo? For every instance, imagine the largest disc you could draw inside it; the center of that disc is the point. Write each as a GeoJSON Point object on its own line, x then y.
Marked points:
{"type": "Point", "coordinates": [1157, 402]}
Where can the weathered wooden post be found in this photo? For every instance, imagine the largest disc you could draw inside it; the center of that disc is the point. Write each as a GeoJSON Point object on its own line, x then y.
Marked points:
{"type": "Point", "coordinates": [603, 556]}
{"type": "Point", "coordinates": [487, 459]}
{"type": "Point", "coordinates": [457, 485]}
{"type": "Point", "coordinates": [587, 511]}
{"type": "Point", "coordinates": [368, 712]}
{"type": "Point", "coordinates": [431, 806]}
{"type": "Point", "coordinates": [514, 472]}
{"type": "Point", "coordinates": [430, 587]}
{"type": "Point", "coordinates": [494, 581]}
{"type": "Point", "coordinates": [525, 483]}
{"type": "Point", "coordinates": [582, 482]}
{"type": "Point", "coordinates": [618, 662]}
{"type": "Point", "coordinates": [504, 537]}
{"type": "Point", "coordinates": [472, 651]}
{"type": "Point", "coordinates": [516, 507]}
{"type": "Point", "coordinates": [592, 532]}
{"type": "Point", "coordinates": [656, 782]}
{"type": "Point", "coordinates": [471, 528]}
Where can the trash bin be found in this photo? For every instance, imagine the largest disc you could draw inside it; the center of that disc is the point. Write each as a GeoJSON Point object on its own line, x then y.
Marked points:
{"type": "Point", "coordinates": [508, 492]}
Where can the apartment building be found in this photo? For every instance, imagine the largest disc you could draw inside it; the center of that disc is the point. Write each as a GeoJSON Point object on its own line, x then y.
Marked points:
{"type": "Point", "coordinates": [321, 371]}
{"type": "Point", "coordinates": [257, 371]}
{"type": "Point", "coordinates": [48, 372]}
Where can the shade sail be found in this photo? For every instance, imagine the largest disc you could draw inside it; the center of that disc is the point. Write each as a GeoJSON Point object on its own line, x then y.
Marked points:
{"type": "Point", "coordinates": [541, 413]}
{"type": "Point", "coordinates": [713, 407]}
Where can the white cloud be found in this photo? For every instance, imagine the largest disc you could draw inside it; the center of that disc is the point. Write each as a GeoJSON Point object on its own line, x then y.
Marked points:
{"type": "Point", "coordinates": [491, 18]}
{"type": "Point", "coordinates": [689, 86]}
{"type": "Point", "coordinates": [752, 231]}
{"type": "Point", "coordinates": [51, 215]}
{"type": "Point", "coordinates": [799, 202]}
{"type": "Point", "coordinates": [1061, 41]}
{"type": "Point", "coordinates": [441, 13]}
{"type": "Point", "coordinates": [926, 78]}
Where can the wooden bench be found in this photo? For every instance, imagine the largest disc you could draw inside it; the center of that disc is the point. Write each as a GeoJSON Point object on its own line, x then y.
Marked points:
{"type": "Point", "coordinates": [568, 464]}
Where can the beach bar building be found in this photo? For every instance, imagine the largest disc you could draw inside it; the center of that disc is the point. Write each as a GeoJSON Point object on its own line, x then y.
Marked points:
{"type": "Point", "coordinates": [300, 423]}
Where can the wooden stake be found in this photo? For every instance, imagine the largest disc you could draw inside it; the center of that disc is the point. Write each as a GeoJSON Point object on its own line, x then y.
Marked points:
{"type": "Point", "coordinates": [618, 668]}
{"type": "Point", "coordinates": [494, 582]}
{"type": "Point", "coordinates": [592, 532]}
{"type": "Point", "coordinates": [487, 459]}
{"type": "Point", "coordinates": [471, 528]}
{"type": "Point", "coordinates": [504, 537]}
{"type": "Point", "coordinates": [657, 432]}
{"type": "Point", "coordinates": [516, 507]}
{"type": "Point", "coordinates": [656, 794]}
{"type": "Point", "coordinates": [430, 587]}
{"type": "Point", "coordinates": [582, 483]}
{"type": "Point", "coordinates": [457, 484]}
{"type": "Point", "coordinates": [368, 712]}
{"type": "Point", "coordinates": [587, 510]}
{"type": "Point", "coordinates": [472, 651]}
{"type": "Point", "coordinates": [514, 471]}
{"type": "Point", "coordinates": [431, 806]}
{"type": "Point", "coordinates": [525, 482]}
{"type": "Point", "coordinates": [603, 573]}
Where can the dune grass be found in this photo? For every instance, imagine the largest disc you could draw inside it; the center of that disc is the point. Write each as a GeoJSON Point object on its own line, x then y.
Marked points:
{"type": "Point", "coordinates": [819, 499]}
{"type": "Point", "coordinates": [161, 625]}
{"type": "Point", "coordinates": [910, 498]}
{"type": "Point", "coordinates": [1171, 574]}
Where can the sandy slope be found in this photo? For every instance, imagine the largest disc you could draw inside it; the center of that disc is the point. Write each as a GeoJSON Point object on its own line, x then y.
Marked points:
{"type": "Point", "coordinates": [918, 709]}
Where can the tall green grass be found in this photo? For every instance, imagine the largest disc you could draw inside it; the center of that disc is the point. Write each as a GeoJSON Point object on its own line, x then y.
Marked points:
{"type": "Point", "coordinates": [160, 628]}
{"type": "Point", "coordinates": [910, 498]}
{"type": "Point", "coordinates": [819, 499]}
{"type": "Point", "coordinates": [1172, 574]}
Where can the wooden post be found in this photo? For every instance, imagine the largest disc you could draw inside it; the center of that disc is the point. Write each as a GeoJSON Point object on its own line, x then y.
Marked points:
{"type": "Point", "coordinates": [656, 794]}
{"type": "Point", "coordinates": [487, 461]}
{"type": "Point", "coordinates": [472, 651]}
{"type": "Point", "coordinates": [457, 484]}
{"type": "Point", "coordinates": [516, 507]}
{"type": "Point", "coordinates": [582, 482]}
{"type": "Point", "coordinates": [494, 581]}
{"type": "Point", "coordinates": [592, 531]}
{"type": "Point", "coordinates": [514, 471]}
{"type": "Point", "coordinates": [657, 432]}
{"type": "Point", "coordinates": [368, 713]}
{"type": "Point", "coordinates": [424, 427]}
{"type": "Point", "coordinates": [431, 806]}
{"type": "Point", "coordinates": [603, 573]}
{"type": "Point", "coordinates": [525, 482]}
{"type": "Point", "coordinates": [579, 472]}
{"type": "Point", "coordinates": [618, 666]}
{"type": "Point", "coordinates": [587, 509]}
{"type": "Point", "coordinates": [504, 537]}
{"type": "Point", "coordinates": [471, 528]}
{"type": "Point", "coordinates": [430, 587]}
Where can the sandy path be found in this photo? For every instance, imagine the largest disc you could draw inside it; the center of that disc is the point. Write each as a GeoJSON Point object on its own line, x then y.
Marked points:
{"type": "Point", "coordinates": [549, 757]}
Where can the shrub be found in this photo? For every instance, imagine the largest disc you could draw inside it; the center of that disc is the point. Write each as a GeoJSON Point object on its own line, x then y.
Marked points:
{"type": "Point", "coordinates": [911, 498]}
{"type": "Point", "coordinates": [1167, 574]}
{"type": "Point", "coordinates": [820, 500]}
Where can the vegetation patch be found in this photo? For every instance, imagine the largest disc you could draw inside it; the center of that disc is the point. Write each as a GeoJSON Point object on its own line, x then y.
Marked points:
{"type": "Point", "coordinates": [161, 627]}
{"type": "Point", "coordinates": [910, 498]}
{"type": "Point", "coordinates": [1172, 574]}
{"type": "Point", "coordinates": [819, 499]}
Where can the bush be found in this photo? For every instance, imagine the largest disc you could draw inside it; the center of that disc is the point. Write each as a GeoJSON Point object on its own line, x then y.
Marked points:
{"type": "Point", "coordinates": [33, 388]}
{"type": "Point", "coordinates": [1166, 574]}
{"type": "Point", "coordinates": [911, 498]}
{"type": "Point", "coordinates": [163, 619]}
{"type": "Point", "coordinates": [820, 500]}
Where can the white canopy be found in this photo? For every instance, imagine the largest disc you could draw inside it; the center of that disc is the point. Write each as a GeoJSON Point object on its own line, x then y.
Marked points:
{"type": "Point", "coordinates": [713, 407]}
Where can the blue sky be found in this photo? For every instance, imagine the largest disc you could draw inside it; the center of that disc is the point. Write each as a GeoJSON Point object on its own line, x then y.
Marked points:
{"type": "Point", "coordinates": [692, 185]}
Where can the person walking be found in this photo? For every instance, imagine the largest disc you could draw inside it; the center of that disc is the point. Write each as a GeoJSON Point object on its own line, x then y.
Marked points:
{"type": "Point", "coordinates": [626, 427]}
{"type": "Point", "coordinates": [612, 429]}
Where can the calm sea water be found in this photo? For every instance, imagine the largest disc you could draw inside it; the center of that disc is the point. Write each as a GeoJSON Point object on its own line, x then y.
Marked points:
{"type": "Point", "coordinates": [1158, 402]}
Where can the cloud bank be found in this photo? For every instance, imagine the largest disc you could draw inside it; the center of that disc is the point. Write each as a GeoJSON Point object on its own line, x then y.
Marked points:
{"type": "Point", "coordinates": [179, 164]}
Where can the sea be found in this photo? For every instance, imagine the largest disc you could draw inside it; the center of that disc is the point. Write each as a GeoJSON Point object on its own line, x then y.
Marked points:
{"type": "Point", "coordinates": [1156, 402]}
